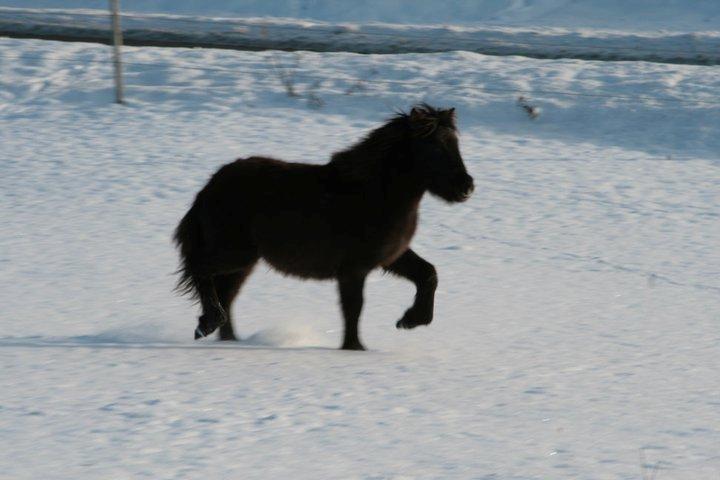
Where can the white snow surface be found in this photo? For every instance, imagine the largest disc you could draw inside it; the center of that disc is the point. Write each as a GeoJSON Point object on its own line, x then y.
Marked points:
{"type": "Point", "coordinates": [577, 320]}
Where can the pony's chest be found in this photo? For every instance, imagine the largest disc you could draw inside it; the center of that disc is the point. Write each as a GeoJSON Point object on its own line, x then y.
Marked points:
{"type": "Point", "coordinates": [398, 237]}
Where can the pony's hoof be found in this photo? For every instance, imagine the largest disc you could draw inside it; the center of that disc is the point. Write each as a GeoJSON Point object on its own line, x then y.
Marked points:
{"type": "Point", "coordinates": [203, 331]}
{"type": "Point", "coordinates": [403, 324]}
{"type": "Point", "coordinates": [353, 346]}
{"type": "Point", "coordinates": [207, 324]}
{"type": "Point", "coordinates": [412, 319]}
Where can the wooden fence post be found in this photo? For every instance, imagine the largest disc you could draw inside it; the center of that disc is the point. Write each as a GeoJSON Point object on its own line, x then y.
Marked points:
{"type": "Point", "coordinates": [117, 43]}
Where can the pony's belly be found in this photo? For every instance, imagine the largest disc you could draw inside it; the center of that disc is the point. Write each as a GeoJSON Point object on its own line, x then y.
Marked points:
{"type": "Point", "coordinates": [319, 248]}
{"type": "Point", "coordinates": [302, 260]}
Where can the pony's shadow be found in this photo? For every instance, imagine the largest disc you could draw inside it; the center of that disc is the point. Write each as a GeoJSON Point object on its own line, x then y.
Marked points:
{"type": "Point", "coordinates": [263, 340]}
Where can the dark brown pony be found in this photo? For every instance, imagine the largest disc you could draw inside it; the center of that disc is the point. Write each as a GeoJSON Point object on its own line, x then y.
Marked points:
{"type": "Point", "coordinates": [339, 220]}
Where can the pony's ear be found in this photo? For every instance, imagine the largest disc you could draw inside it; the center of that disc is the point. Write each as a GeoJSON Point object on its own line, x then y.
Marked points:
{"type": "Point", "coordinates": [422, 123]}
{"type": "Point", "coordinates": [417, 115]}
{"type": "Point", "coordinates": [448, 117]}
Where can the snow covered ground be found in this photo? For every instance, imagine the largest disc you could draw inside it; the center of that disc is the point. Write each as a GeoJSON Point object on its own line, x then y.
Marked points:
{"type": "Point", "coordinates": [668, 31]}
{"type": "Point", "coordinates": [577, 322]}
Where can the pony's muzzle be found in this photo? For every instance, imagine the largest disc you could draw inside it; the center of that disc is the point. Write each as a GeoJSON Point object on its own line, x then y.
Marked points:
{"type": "Point", "coordinates": [467, 187]}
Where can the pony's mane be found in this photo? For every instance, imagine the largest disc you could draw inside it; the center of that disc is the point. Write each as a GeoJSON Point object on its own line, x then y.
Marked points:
{"type": "Point", "coordinates": [363, 159]}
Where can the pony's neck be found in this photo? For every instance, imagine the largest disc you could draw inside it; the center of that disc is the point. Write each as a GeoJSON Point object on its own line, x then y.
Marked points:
{"type": "Point", "coordinates": [384, 156]}
{"type": "Point", "coordinates": [404, 188]}
{"type": "Point", "coordinates": [389, 165]}
{"type": "Point", "coordinates": [382, 162]}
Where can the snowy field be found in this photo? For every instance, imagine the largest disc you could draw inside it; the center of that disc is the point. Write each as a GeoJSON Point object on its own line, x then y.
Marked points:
{"type": "Point", "coordinates": [668, 31]}
{"type": "Point", "coordinates": [577, 323]}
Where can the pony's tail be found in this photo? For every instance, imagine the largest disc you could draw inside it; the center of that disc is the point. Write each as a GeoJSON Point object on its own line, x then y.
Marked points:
{"type": "Point", "coordinates": [188, 238]}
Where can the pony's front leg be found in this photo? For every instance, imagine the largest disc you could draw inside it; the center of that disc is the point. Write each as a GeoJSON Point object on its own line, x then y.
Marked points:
{"type": "Point", "coordinates": [351, 300]}
{"type": "Point", "coordinates": [422, 273]}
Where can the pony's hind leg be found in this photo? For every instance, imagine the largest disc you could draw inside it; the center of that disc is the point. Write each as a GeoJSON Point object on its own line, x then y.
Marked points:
{"type": "Point", "coordinates": [422, 273]}
{"type": "Point", "coordinates": [213, 313]}
{"type": "Point", "coordinates": [227, 287]}
{"type": "Point", "coordinates": [215, 297]}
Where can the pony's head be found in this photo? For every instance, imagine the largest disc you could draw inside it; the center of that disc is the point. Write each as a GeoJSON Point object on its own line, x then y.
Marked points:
{"type": "Point", "coordinates": [436, 154]}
